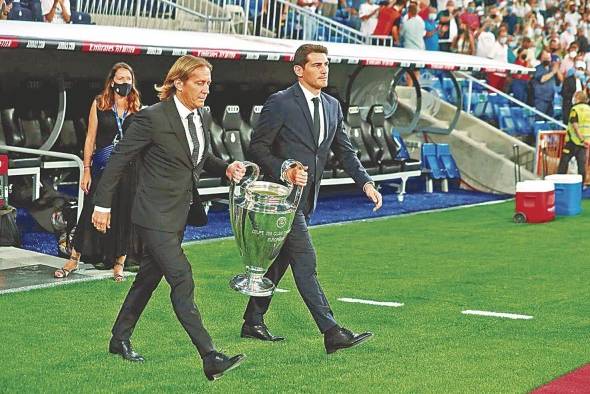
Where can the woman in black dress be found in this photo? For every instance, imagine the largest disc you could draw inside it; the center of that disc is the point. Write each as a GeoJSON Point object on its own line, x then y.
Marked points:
{"type": "Point", "coordinates": [111, 113]}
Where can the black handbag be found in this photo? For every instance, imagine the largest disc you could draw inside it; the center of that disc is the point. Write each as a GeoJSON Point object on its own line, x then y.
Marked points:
{"type": "Point", "coordinates": [9, 232]}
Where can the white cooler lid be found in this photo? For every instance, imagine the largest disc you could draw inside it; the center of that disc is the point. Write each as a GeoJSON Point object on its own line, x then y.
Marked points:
{"type": "Point", "coordinates": [564, 178]}
{"type": "Point", "coordinates": [535, 186]}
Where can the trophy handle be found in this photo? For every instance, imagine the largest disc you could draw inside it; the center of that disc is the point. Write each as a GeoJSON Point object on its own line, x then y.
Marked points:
{"type": "Point", "coordinates": [245, 181]}
{"type": "Point", "coordinates": [298, 189]}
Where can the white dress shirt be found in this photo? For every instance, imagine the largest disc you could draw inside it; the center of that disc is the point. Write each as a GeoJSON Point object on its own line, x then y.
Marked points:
{"type": "Point", "coordinates": [308, 96]}
{"type": "Point", "coordinates": [183, 112]}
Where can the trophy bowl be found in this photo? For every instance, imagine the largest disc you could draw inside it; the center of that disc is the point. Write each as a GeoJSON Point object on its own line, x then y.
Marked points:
{"type": "Point", "coordinates": [261, 215]}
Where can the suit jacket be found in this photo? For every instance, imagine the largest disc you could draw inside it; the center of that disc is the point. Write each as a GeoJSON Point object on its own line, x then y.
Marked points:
{"type": "Point", "coordinates": [165, 181]}
{"type": "Point", "coordinates": [284, 131]}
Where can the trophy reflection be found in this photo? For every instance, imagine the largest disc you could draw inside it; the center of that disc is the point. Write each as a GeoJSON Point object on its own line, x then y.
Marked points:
{"type": "Point", "coordinates": [261, 216]}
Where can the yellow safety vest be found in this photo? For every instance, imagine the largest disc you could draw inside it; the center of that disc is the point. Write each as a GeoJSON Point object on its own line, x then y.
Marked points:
{"type": "Point", "coordinates": [583, 112]}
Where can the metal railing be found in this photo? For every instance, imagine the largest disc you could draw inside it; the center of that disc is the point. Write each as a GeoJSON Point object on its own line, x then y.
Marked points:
{"type": "Point", "coordinates": [197, 15]}
{"type": "Point", "coordinates": [67, 156]}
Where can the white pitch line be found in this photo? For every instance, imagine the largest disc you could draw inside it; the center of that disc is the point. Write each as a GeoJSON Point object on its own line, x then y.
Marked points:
{"type": "Point", "coordinates": [370, 302]}
{"type": "Point", "coordinates": [277, 290]}
{"type": "Point", "coordinates": [513, 316]}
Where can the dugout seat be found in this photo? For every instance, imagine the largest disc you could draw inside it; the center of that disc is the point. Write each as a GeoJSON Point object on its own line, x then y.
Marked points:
{"type": "Point", "coordinates": [215, 136]}
{"type": "Point", "coordinates": [232, 125]}
{"type": "Point", "coordinates": [353, 127]}
{"type": "Point", "coordinates": [376, 119]}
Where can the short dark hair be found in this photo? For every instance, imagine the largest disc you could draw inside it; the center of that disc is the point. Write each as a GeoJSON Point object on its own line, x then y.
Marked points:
{"type": "Point", "coordinates": [300, 58]}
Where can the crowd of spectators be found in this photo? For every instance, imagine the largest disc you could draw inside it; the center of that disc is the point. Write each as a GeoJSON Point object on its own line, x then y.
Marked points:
{"type": "Point", "coordinates": [550, 36]}
{"type": "Point", "coordinates": [51, 11]}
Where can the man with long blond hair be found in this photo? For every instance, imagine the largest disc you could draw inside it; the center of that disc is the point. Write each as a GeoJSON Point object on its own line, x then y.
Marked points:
{"type": "Point", "coordinates": [173, 142]}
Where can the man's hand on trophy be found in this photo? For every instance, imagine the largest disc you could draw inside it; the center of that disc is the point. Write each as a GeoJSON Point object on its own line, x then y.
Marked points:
{"type": "Point", "coordinates": [101, 220]}
{"type": "Point", "coordinates": [297, 176]}
{"type": "Point", "coordinates": [235, 171]}
{"type": "Point", "coordinates": [373, 195]}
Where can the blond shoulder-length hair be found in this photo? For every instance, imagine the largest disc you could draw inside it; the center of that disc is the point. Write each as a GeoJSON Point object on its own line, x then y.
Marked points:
{"type": "Point", "coordinates": [181, 69]}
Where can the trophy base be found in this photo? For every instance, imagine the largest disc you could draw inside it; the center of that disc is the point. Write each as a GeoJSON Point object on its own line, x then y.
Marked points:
{"type": "Point", "coordinates": [252, 285]}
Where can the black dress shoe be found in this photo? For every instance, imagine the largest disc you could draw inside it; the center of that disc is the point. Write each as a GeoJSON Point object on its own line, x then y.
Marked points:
{"type": "Point", "coordinates": [259, 331]}
{"type": "Point", "coordinates": [124, 349]}
{"type": "Point", "coordinates": [215, 364]}
{"type": "Point", "coordinates": [340, 338]}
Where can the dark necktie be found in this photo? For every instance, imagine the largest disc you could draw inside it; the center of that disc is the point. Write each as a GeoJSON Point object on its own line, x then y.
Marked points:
{"type": "Point", "coordinates": [192, 129]}
{"type": "Point", "coordinates": [316, 119]}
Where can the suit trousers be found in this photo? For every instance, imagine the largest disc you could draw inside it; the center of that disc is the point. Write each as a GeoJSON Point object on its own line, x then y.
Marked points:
{"type": "Point", "coordinates": [163, 257]}
{"type": "Point", "coordinates": [297, 252]}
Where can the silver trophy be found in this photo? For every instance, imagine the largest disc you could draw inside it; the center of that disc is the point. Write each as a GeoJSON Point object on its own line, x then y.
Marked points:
{"type": "Point", "coordinates": [261, 216]}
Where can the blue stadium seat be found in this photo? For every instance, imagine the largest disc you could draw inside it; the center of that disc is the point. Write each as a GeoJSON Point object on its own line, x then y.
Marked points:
{"type": "Point", "coordinates": [430, 161]}
{"type": "Point", "coordinates": [18, 13]}
{"type": "Point", "coordinates": [443, 152]}
{"type": "Point", "coordinates": [81, 18]}
{"type": "Point", "coordinates": [505, 121]}
{"type": "Point", "coordinates": [402, 154]}
{"type": "Point", "coordinates": [521, 120]}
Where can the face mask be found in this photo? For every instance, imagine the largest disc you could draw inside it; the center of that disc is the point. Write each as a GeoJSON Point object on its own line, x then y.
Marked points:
{"type": "Point", "coordinates": [512, 45]}
{"type": "Point", "coordinates": [432, 16]}
{"type": "Point", "coordinates": [122, 89]}
{"type": "Point", "coordinates": [471, 10]}
{"type": "Point", "coordinates": [545, 63]}
{"type": "Point", "coordinates": [572, 30]}
{"type": "Point", "coordinates": [573, 54]}
{"type": "Point", "coordinates": [538, 32]}
{"type": "Point", "coordinates": [503, 40]}
{"type": "Point", "coordinates": [579, 74]}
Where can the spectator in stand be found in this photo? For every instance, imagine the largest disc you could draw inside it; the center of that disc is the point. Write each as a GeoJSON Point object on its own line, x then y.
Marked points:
{"type": "Point", "coordinates": [545, 80]}
{"type": "Point", "coordinates": [350, 8]}
{"type": "Point", "coordinates": [328, 8]}
{"type": "Point", "coordinates": [448, 26]}
{"type": "Point", "coordinates": [500, 54]}
{"type": "Point", "coordinates": [485, 40]}
{"type": "Point", "coordinates": [555, 50]}
{"type": "Point", "coordinates": [510, 20]}
{"type": "Point", "coordinates": [536, 11]}
{"type": "Point", "coordinates": [585, 25]}
{"type": "Point", "coordinates": [4, 9]}
{"type": "Point", "coordinates": [573, 83]}
{"type": "Point", "coordinates": [368, 13]}
{"type": "Point", "coordinates": [495, 19]}
{"type": "Point", "coordinates": [56, 11]}
{"type": "Point", "coordinates": [578, 129]}
{"type": "Point", "coordinates": [309, 24]}
{"type": "Point", "coordinates": [423, 9]}
{"type": "Point", "coordinates": [469, 17]}
{"type": "Point", "coordinates": [519, 10]}
{"type": "Point", "coordinates": [413, 30]}
{"type": "Point", "coordinates": [567, 64]}
{"type": "Point", "coordinates": [582, 41]}
{"type": "Point", "coordinates": [572, 17]}
{"type": "Point", "coordinates": [519, 86]}
{"type": "Point", "coordinates": [464, 42]}
{"type": "Point", "coordinates": [511, 49]}
{"type": "Point", "coordinates": [431, 35]}
{"type": "Point", "coordinates": [388, 20]}
{"type": "Point", "coordinates": [568, 35]}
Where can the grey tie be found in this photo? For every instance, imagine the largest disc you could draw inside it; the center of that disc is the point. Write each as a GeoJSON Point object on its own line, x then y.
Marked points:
{"type": "Point", "coordinates": [316, 119]}
{"type": "Point", "coordinates": [192, 130]}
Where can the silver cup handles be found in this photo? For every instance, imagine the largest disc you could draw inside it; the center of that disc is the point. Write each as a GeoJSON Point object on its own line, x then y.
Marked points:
{"type": "Point", "coordinates": [245, 181]}
{"type": "Point", "coordinates": [298, 189]}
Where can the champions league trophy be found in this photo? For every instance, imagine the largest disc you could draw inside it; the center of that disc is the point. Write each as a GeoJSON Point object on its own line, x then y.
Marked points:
{"type": "Point", "coordinates": [261, 217]}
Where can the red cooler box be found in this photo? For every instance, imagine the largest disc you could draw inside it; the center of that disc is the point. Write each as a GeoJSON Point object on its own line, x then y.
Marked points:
{"type": "Point", "coordinates": [535, 202]}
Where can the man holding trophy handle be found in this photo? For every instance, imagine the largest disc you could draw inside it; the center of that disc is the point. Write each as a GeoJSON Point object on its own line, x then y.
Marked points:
{"type": "Point", "coordinates": [173, 143]}
{"type": "Point", "coordinates": [302, 123]}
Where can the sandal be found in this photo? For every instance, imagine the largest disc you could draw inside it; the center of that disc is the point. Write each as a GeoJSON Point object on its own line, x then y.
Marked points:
{"type": "Point", "coordinates": [64, 272]}
{"type": "Point", "coordinates": [118, 276]}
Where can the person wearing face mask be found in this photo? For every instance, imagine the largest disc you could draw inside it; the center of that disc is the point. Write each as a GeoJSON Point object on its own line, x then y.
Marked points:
{"type": "Point", "coordinates": [431, 35]}
{"type": "Point", "coordinates": [577, 133]}
{"type": "Point", "coordinates": [573, 83]}
{"type": "Point", "coordinates": [545, 79]}
{"type": "Point", "coordinates": [567, 36]}
{"type": "Point", "coordinates": [470, 17]}
{"type": "Point", "coordinates": [111, 113]}
{"type": "Point", "coordinates": [572, 17]}
{"type": "Point", "coordinates": [500, 54]}
{"type": "Point", "coordinates": [567, 64]}
{"type": "Point", "coordinates": [519, 85]}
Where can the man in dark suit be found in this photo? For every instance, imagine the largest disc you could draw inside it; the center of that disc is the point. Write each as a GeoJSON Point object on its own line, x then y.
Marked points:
{"type": "Point", "coordinates": [302, 123]}
{"type": "Point", "coordinates": [173, 144]}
